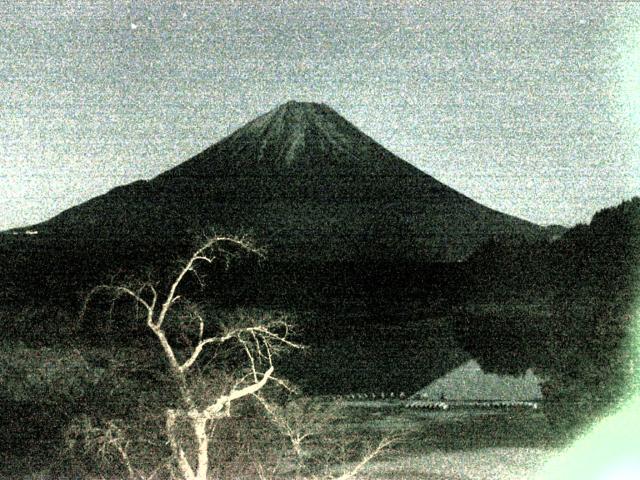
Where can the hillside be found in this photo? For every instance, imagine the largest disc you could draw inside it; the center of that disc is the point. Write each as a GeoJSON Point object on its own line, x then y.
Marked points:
{"type": "Point", "coordinates": [564, 307]}
{"type": "Point", "coordinates": [362, 238]}
{"type": "Point", "coordinates": [307, 184]}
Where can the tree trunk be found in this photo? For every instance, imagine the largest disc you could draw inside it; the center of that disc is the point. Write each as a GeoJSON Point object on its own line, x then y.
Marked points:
{"type": "Point", "coordinates": [199, 424]}
{"type": "Point", "coordinates": [178, 452]}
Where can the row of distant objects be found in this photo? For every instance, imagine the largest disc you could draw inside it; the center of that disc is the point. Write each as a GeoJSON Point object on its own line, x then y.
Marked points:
{"type": "Point", "coordinates": [26, 232]}
{"type": "Point", "coordinates": [370, 396]}
{"type": "Point", "coordinates": [429, 404]}
{"type": "Point", "coordinates": [443, 405]}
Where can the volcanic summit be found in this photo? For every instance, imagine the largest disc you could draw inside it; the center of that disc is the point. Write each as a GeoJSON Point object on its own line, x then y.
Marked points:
{"type": "Point", "coordinates": [352, 232]}
{"type": "Point", "coordinates": [305, 183]}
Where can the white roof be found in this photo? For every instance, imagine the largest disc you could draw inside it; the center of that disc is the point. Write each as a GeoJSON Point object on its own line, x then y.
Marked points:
{"type": "Point", "coordinates": [469, 382]}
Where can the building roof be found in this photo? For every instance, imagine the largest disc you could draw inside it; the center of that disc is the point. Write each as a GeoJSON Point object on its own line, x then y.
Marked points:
{"type": "Point", "coordinates": [469, 382]}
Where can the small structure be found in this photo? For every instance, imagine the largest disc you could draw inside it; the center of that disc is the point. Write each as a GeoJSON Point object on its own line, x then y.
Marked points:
{"type": "Point", "coordinates": [468, 384]}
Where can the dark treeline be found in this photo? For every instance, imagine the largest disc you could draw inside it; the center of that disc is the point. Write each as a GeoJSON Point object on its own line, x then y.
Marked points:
{"type": "Point", "coordinates": [560, 305]}
{"type": "Point", "coordinates": [368, 326]}
{"type": "Point", "coordinates": [566, 307]}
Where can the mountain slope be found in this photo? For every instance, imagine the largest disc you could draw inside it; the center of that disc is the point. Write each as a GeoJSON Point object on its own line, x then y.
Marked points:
{"type": "Point", "coordinates": [306, 184]}
{"type": "Point", "coordinates": [355, 240]}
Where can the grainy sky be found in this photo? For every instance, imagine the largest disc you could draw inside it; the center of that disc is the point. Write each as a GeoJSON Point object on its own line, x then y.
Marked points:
{"type": "Point", "coordinates": [532, 108]}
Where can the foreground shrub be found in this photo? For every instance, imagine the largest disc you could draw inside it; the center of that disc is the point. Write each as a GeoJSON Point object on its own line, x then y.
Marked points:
{"type": "Point", "coordinates": [209, 427]}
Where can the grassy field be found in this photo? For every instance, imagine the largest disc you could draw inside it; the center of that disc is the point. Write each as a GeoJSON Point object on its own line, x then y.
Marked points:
{"type": "Point", "coordinates": [434, 445]}
{"type": "Point", "coordinates": [455, 444]}
{"type": "Point", "coordinates": [482, 464]}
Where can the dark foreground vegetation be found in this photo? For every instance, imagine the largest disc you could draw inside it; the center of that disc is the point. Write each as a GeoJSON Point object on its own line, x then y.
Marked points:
{"type": "Point", "coordinates": [192, 399]}
{"type": "Point", "coordinates": [565, 308]}
{"type": "Point", "coordinates": [561, 307]}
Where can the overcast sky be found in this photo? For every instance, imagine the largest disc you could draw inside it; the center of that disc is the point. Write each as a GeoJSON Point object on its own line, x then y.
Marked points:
{"type": "Point", "coordinates": [532, 108]}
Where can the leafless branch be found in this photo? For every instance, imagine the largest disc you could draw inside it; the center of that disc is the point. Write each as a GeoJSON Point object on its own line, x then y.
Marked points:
{"type": "Point", "coordinates": [353, 471]}
{"type": "Point", "coordinates": [212, 410]}
{"type": "Point", "coordinates": [260, 340]}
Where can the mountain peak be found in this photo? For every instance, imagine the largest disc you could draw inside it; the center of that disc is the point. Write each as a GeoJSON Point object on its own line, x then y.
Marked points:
{"type": "Point", "coordinates": [296, 133]}
{"type": "Point", "coordinates": [295, 111]}
{"type": "Point", "coordinates": [307, 180]}
{"type": "Point", "coordinates": [298, 105]}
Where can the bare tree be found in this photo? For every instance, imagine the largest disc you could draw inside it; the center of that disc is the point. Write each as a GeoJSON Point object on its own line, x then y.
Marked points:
{"type": "Point", "coordinates": [304, 420]}
{"type": "Point", "coordinates": [184, 336]}
{"type": "Point", "coordinates": [259, 340]}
